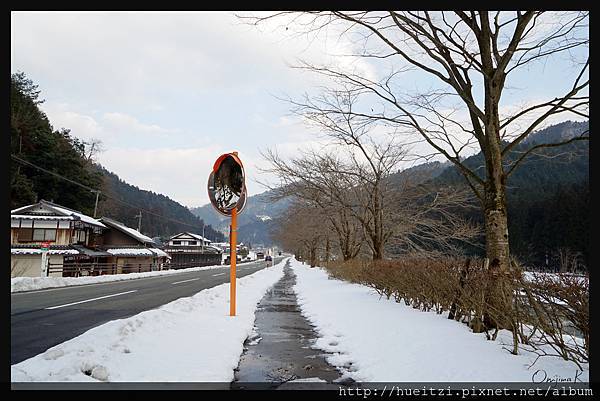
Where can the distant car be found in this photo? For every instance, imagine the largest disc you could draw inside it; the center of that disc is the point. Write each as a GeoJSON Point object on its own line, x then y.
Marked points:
{"type": "Point", "coordinates": [268, 258]}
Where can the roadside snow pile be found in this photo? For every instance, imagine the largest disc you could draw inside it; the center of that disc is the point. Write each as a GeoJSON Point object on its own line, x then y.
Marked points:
{"type": "Point", "coordinates": [191, 339]}
{"type": "Point", "coordinates": [373, 339]}
{"type": "Point", "coordinates": [556, 277]}
{"type": "Point", "coordinates": [18, 284]}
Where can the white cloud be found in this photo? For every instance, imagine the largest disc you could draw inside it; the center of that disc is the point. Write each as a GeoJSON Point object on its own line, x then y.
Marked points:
{"type": "Point", "coordinates": [181, 174]}
{"type": "Point", "coordinates": [81, 125]}
{"type": "Point", "coordinates": [126, 122]}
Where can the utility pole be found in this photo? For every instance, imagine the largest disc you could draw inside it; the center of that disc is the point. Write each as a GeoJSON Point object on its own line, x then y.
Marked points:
{"type": "Point", "coordinates": [203, 238]}
{"type": "Point", "coordinates": [96, 206]}
{"type": "Point", "coordinates": [20, 153]}
{"type": "Point", "coordinates": [139, 217]}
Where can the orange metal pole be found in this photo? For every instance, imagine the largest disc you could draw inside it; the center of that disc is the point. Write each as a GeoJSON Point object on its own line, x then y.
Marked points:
{"type": "Point", "coordinates": [233, 261]}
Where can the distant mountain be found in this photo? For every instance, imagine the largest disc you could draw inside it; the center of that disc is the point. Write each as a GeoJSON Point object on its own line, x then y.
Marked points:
{"type": "Point", "coordinates": [559, 132]}
{"type": "Point", "coordinates": [253, 222]}
{"type": "Point", "coordinates": [547, 194]}
{"type": "Point", "coordinates": [420, 173]}
{"type": "Point", "coordinates": [539, 174]}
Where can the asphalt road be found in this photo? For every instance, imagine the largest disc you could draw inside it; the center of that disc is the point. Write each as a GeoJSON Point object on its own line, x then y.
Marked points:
{"type": "Point", "coordinates": [42, 319]}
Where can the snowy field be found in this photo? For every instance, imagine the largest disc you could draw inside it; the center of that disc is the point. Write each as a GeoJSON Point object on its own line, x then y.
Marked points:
{"type": "Point", "coordinates": [188, 340]}
{"type": "Point", "coordinates": [378, 340]}
{"type": "Point", "coordinates": [18, 284]}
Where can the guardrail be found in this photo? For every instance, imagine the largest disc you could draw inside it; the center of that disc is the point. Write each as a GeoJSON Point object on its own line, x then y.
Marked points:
{"type": "Point", "coordinates": [96, 269]}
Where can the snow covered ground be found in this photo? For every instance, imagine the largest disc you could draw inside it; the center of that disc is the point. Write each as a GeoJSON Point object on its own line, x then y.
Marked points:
{"type": "Point", "coordinates": [375, 339]}
{"type": "Point", "coordinates": [18, 284]}
{"type": "Point", "coordinates": [531, 276]}
{"type": "Point", "coordinates": [191, 339]}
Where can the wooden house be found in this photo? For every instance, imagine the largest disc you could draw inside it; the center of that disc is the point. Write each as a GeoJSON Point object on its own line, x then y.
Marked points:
{"type": "Point", "coordinates": [71, 235]}
{"type": "Point", "coordinates": [130, 250]}
{"type": "Point", "coordinates": [190, 250]}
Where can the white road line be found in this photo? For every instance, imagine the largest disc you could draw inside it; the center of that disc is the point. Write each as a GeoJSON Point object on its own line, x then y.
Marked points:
{"type": "Point", "coordinates": [90, 300]}
{"type": "Point", "coordinates": [185, 281]}
{"type": "Point", "coordinates": [218, 274]}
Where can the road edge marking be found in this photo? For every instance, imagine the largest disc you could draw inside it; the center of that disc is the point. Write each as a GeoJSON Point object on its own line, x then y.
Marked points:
{"type": "Point", "coordinates": [89, 300]}
{"type": "Point", "coordinates": [185, 281]}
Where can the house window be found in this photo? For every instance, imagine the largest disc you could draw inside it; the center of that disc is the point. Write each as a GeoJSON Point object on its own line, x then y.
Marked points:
{"type": "Point", "coordinates": [79, 236]}
{"type": "Point", "coordinates": [25, 235]}
{"type": "Point", "coordinates": [44, 234]}
{"type": "Point", "coordinates": [193, 243]}
{"type": "Point", "coordinates": [176, 242]}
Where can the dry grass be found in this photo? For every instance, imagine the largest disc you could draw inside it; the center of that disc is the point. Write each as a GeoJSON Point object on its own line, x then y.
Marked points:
{"type": "Point", "coordinates": [544, 312]}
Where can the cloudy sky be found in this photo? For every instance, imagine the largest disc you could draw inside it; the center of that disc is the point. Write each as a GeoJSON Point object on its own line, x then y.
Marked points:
{"type": "Point", "coordinates": [168, 92]}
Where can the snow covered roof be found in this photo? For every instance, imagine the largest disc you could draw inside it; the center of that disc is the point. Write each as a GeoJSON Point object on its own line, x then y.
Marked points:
{"type": "Point", "coordinates": [216, 248]}
{"type": "Point", "coordinates": [89, 252]}
{"type": "Point", "coordinates": [159, 252]}
{"type": "Point", "coordinates": [130, 252]}
{"type": "Point", "coordinates": [61, 212]}
{"type": "Point", "coordinates": [33, 216]}
{"type": "Point", "coordinates": [198, 237]}
{"type": "Point", "coordinates": [127, 230]}
{"type": "Point", "coordinates": [34, 251]}
{"type": "Point", "coordinates": [79, 216]}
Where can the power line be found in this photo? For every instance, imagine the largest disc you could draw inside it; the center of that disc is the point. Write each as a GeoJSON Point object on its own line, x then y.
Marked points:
{"type": "Point", "coordinates": [103, 194]}
{"type": "Point", "coordinates": [53, 173]}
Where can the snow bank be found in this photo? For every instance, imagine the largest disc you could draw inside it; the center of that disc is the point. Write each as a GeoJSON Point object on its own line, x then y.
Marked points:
{"type": "Point", "coordinates": [375, 339]}
{"type": "Point", "coordinates": [556, 277]}
{"type": "Point", "coordinates": [18, 284]}
{"type": "Point", "coordinates": [188, 340]}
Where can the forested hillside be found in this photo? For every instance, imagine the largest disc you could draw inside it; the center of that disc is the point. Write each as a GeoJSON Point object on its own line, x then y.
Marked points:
{"type": "Point", "coordinates": [179, 217]}
{"type": "Point", "coordinates": [71, 175]}
{"type": "Point", "coordinates": [548, 195]}
{"type": "Point", "coordinates": [33, 139]}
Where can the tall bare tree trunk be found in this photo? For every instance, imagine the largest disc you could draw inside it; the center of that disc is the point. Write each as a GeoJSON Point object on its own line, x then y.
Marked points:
{"type": "Point", "coordinates": [495, 216]}
{"type": "Point", "coordinates": [377, 237]}
{"type": "Point", "coordinates": [377, 249]}
{"type": "Point", "coordinates": [313, 255]}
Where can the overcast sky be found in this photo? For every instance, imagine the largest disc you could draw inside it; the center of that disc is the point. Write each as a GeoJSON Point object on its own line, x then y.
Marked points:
{"type": "Point", "coordinates": [168, 92]}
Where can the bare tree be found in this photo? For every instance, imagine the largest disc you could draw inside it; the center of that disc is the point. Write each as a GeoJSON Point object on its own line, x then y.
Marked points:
{"type": "Point", "coordinates": [412, 217]}
{"type": "Point", "coordinates": [427, 220]}
{"type": "Point", "coordinates": [301, 228]}
{"type": "Point", "coordinates": [92, 148]}
{"type": "Point", "coordinates": [315, 179]}
{"type": "Point", "coordinates": [471, 56]}
{"type": "Point", "coordinates": [352, 198]}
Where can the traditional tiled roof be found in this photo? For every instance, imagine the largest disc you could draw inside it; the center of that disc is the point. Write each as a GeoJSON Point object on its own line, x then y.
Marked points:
{"type": "Point", "coordinates": [198, 237]}
{"type": "Point", "coordinates": [128, 230]}
{"type": "Point", "coordinates": [62, 213]}
{"type": "Point", "coordinates": [130, 252]}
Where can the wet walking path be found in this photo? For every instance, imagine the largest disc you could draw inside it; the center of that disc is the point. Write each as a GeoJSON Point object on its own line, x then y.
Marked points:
{"type": "Point", "coordinates": [279, 354]}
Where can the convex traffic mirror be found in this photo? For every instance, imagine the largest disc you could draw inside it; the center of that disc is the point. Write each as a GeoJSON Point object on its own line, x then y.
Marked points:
{"type": "Point", "coordinates": [227, 184]}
